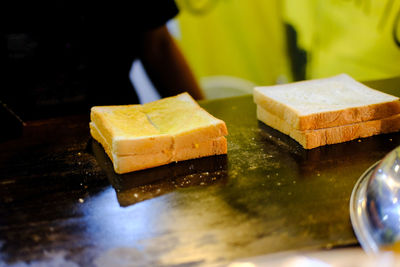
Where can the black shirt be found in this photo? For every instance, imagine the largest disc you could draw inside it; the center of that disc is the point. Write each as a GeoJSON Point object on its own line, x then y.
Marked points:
{"type": "Point", "coordinates": [61, 57]}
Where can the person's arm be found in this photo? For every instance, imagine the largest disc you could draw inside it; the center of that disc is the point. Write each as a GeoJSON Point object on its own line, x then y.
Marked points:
{"type": "Point", "coordinates": [166, 66]}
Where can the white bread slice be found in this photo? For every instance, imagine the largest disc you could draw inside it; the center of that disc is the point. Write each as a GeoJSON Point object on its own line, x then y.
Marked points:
{"type": "Point", "coordinates": [122, 137]}
{"type": "Point", "coordinates": [324, 103]}
{"type": "Point", "coordinates": [137, 137]}
{"type": "Point", "coordinates": [183, 118]}
{"type": "Point", "coordinates": [124, 164]}
{"type": "Point", "coordinates": [314, 138]}
{"type": "Point", "coordinates": [135, 162]}
{"type": "Point", "coordinates": [132, 162]}
{"type": "Point", "coordinates": [216, 146]}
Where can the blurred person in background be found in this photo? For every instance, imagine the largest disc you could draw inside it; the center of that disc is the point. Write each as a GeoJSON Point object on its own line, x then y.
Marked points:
{"type": "Point", "coordinates": [62, 57]}
{"type": "Point", "coordinates": [233, 45]}
{"type": "Point", "coordinates": [237, 45]}
{"type": "Point", "coordinates": [357, 37]}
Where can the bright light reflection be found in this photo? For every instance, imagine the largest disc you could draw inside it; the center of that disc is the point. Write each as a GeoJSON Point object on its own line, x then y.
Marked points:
{"type": "Point", "coordinates": [284, 261]}
{"type": "Point", "coordinates": [242, 264]}
{"type": "Point", "coordinates": [359, 210]}
{"type": "Point", "coordinates": [301, 261]}
{"type": "Point", "coordinates": [396, 168]}
{"type": "Point", "coordinates": [111, 225]}
{"type": "Point", "coordinates": [391, 183]}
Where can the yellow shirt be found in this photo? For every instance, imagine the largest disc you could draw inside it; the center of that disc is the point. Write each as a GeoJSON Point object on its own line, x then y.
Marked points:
{"type": "Point", "coordinates": [231, 38]}
{"type": "Point", "coordinates": [358, 37]}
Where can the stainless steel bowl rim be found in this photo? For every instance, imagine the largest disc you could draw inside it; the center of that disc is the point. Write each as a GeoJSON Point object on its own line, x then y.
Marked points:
{"type": "Point", "coordinates": [358, 212]}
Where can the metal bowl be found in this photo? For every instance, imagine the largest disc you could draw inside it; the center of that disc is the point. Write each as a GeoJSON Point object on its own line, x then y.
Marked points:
{"type": "Point", "coordinates": [375, 204]}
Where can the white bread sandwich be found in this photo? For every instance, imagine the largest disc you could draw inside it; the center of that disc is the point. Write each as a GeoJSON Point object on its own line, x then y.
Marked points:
{"type": "Point", "coordinates": [326, 136]}
{"type": "Point", "coordinates": [323, 103]}
{"type": "Point", "coordinates": [137, 137]}
{"type": "Point", "coordinates": [327, 111]}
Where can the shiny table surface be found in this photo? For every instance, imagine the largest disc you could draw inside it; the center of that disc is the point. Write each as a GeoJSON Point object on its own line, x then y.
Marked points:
{"type": "Point", "coordinates": [61, 201]}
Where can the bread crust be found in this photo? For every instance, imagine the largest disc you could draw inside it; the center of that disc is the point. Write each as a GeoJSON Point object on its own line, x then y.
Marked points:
{"type": "Point", "coordinates": [124, 164]}
{"type": "Point", "coordinates": [202, 134]}
{"type": "Point", "coordinates": [130, 163]}
{"type": "Point", "coordinates": [134, 162]}
{"type": "Point", "coordinates": [94, 132]}
{"type": "Point", "coordinates": [332, 118]}
{"type": "Point", "coordinates": [217, 146]}
{"type": "Point", "coordinates": [143, 145]}
{"type": "Point", "coordinates": [137, 146]}
{"type": "Point", "coordinates": [119, 145]}
{"type": "Point", "coordinates": [190, 140]}
{"type": "Point", "coordinates": [314, 138]}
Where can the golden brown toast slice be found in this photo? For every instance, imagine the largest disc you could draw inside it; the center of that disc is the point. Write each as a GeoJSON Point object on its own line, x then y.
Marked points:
{"type": "Point", "coordinates": [172, 129]}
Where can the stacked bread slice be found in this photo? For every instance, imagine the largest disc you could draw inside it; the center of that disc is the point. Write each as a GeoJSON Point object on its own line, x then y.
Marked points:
{"type": "Point", "coordinates": [172, 129]}
{"type": "Point", "coordinates": [327, 111]}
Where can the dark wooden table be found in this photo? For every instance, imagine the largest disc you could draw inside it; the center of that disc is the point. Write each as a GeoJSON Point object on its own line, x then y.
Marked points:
{"type": "Point", "coordinates": [61, 201]}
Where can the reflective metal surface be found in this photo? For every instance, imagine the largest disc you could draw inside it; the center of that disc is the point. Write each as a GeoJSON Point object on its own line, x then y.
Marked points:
{"type": "Point", "coordinates": [375, 207]}
{"type": "Point", "coordinates": [57, 196]}
{"type": "Point", "coordinates": [358, 214]}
